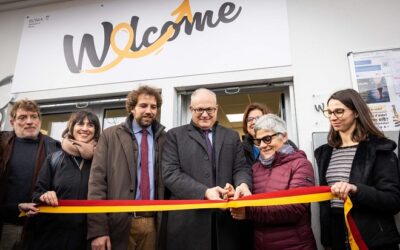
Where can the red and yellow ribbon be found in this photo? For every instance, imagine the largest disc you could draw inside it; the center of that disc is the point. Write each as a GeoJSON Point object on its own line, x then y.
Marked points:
{"type": "Point", "coordinates": [284, 197]}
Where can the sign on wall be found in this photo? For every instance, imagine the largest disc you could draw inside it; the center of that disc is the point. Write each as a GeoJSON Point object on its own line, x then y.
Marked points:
{"type": "Point", "coordinates": [123, 41]}
{"type": "Point", "coordinates": [376, 75]}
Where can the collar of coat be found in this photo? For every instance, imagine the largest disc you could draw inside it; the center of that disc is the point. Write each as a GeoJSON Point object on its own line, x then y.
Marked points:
{"type": "Point", "coordinates": [201, 130]}
{"type": "Point", "coordinates": [364, 159]}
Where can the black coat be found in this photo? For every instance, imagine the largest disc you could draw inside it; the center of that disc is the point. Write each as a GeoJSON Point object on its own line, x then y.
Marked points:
{"type": "Point", "coordinates": [247, 144]}
{"type": "Point", "coordinates": [375, 172]}
{"type": "Point", "coordinates": [61, 231]}
{"type": "Point", "coordinates": [187, 174]}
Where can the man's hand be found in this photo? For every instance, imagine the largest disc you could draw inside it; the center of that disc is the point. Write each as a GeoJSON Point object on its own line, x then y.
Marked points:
{"type": "Point", "coordinates": [101, 243]}
{"type": "Point", "coordinates": [215, 193]}
{"type": "Point", "coordinates": [241, 190]}
{"type": "Point", "coordinates": [231, 191]}
{"type": "Point", "coordinates": [30, 209]}
{"type": "Point", "coordinates": [50, 198]}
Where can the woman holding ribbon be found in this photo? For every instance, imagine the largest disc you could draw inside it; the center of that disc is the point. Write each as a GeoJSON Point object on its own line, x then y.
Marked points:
{"type": "Point", "coordinates": [280, 167]}
{"type": "Point", "coordinates": [358, 161]}
{"type": "Point", "coordinates": [65, 176]}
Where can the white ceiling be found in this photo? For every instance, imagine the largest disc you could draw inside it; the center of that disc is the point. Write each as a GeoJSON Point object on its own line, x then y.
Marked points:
{"type": "Point", "coordinates": [7, 5]}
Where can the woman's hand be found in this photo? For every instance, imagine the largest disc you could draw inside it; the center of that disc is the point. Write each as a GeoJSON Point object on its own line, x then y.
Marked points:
{"type": "Point", "coordinates": [50, 198]}
{"type": "Point", "coordinates": [241, 190]}
{"type": "Point", "coordinates": [238, 213]}
{"type": "Point", "coordinates": [342, 189]}
{"type": "Point", "coordinates": [30, 209]}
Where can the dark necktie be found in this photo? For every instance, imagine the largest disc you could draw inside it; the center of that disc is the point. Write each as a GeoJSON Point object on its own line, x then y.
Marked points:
{"type": "Point", "coordinates": [210, 153]}
{"type": "Point", "coordinates": [144, 178]}
{"type": "Point", "coordinates": [209, 145]}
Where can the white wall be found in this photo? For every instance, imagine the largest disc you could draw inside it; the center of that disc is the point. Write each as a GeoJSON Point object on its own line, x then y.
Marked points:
{"type": "Point", "coordinates": [322, 33]}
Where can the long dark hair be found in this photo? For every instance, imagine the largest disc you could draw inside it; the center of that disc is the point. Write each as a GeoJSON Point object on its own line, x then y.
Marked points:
{"type": "Point", "coordinates": [80, 117]}
{"type": "Point", "coordinates": [364, 124]}
{"type": "Point", "coordinates": [252, 106]}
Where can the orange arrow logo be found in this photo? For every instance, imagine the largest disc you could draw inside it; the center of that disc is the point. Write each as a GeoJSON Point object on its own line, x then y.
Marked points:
{"type": "Point", "coordinates": [184, 10]}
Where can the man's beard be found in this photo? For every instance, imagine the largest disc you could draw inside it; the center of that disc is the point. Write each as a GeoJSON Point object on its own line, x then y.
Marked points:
{"type": "Point", "coordinates": [142, 123]}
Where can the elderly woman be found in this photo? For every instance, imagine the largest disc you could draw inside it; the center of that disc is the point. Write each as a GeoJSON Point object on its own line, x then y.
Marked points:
{"type": "Point", "coordinates": [358, 161]}
{"type": "Point", "coordinates": [251, 114]}
{"type": "Point", "coordinates": [280, 167]}
{"type": "Point", "coordinates": [65, 176]}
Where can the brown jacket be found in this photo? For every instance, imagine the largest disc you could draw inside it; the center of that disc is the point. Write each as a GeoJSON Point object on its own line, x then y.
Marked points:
{"type": "Point", "coordinates": [47, 145]}
{"type": "Point", "coordinates": [113, 177]}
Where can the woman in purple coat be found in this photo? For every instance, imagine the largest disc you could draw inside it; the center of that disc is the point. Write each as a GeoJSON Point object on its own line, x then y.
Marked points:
{"type": "Point", "coordinates": [280, 167]}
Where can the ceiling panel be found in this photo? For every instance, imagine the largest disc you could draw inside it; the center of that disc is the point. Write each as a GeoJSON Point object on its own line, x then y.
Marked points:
{"type": "Point", "coordinates": [236, 103]}
{"type": "Point", "coordinates": [7, 5]}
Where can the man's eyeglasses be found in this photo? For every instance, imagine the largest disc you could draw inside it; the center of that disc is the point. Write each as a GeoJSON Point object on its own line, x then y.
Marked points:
{"type": "Point", "coordinates": [252, 119]}
{"type": "Point", "coordinates": [337, 112]}
{"type": "Point", "coordinates": [266, 139]}
{"type": "Point", "coordinates": [200, 111]}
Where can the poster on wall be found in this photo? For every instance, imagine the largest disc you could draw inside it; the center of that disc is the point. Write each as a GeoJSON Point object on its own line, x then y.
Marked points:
{"type": "Point", "coordinates": [376, 76]}
{"type": "Point", "coordinates": [91, 42]}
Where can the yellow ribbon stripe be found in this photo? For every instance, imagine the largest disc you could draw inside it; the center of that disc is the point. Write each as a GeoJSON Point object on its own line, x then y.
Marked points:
{"type": "Point", "coordinates": [285, 197]}
{"type": "Point", "coordinates": [226, 204]}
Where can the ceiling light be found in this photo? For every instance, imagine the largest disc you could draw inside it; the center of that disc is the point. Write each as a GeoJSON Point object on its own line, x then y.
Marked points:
{"type": "Point", "coordinates": [235, 117]}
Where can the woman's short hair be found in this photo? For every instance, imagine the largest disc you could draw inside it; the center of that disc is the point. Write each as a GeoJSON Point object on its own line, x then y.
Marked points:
{"type": "Point", "coordinates": [133, 97]}
{"type": "Point", "coordinates": [253, 106]}
{"type": "Point", "coordinates": [271, 122]}
{"type": "Point", "coordinates": [364, 124]}
{"type": "Point", "coordinates": [79, 117]}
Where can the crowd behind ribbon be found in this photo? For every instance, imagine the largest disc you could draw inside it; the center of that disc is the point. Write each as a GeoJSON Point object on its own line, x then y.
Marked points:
{"type": "Point", "coordinates": [139, 160]}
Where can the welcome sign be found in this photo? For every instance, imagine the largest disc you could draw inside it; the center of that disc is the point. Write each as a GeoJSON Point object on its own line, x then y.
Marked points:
{"type": "Point", "coordinates": [123, 41]}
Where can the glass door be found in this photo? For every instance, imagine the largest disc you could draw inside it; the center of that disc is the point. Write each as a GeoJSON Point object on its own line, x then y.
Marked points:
{"type": "Point", "coordinates": [232, 102]}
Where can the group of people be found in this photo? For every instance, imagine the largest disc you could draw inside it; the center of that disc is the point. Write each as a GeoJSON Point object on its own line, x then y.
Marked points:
{"type": "Point", "coordinates": [139, 160]}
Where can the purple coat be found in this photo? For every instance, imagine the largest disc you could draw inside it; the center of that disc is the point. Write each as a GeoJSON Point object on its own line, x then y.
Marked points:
{"type": "Point", "coordinates": [288, 226]}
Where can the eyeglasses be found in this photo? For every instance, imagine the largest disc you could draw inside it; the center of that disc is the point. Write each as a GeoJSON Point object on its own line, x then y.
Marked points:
{"type": "Point", "coordinates": [251, 119]}
{"type": "Point", "coordinates": [337, 112]}
{"type": "Point", "coordinates": [266, 139]}
{"type": "Point", "coordinates": [200, 111]}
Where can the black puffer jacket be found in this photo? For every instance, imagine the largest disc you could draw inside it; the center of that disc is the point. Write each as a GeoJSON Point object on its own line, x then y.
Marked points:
{"type": "Point", "coordinates": [375, 172]}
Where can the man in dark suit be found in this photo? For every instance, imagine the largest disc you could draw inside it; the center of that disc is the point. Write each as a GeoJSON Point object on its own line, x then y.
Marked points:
{"type": "Point", "coordinates": [199, 159]}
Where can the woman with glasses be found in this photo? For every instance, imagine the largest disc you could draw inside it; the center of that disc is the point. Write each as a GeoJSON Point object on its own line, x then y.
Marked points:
{"type": "Point", "coordinates": [252, 112]}
{"type": "Point", "coordinates": [280, 167]}
{"type": "Point", "coordinates": [358, 161]}
{"type": "Point", "coordinates": [64, 176]}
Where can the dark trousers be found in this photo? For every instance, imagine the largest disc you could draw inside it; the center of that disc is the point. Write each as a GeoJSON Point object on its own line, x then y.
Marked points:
{"type": "Point", "coordinates": [339, 231]}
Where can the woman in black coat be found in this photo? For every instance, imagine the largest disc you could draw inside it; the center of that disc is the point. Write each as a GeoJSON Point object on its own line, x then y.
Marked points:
{"type": "Point", "coordinates": [251, 114]}
{"type": "Point", "coordinates": [64, 175]}
{"type": "Point", "coordinates": [359, 162]}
